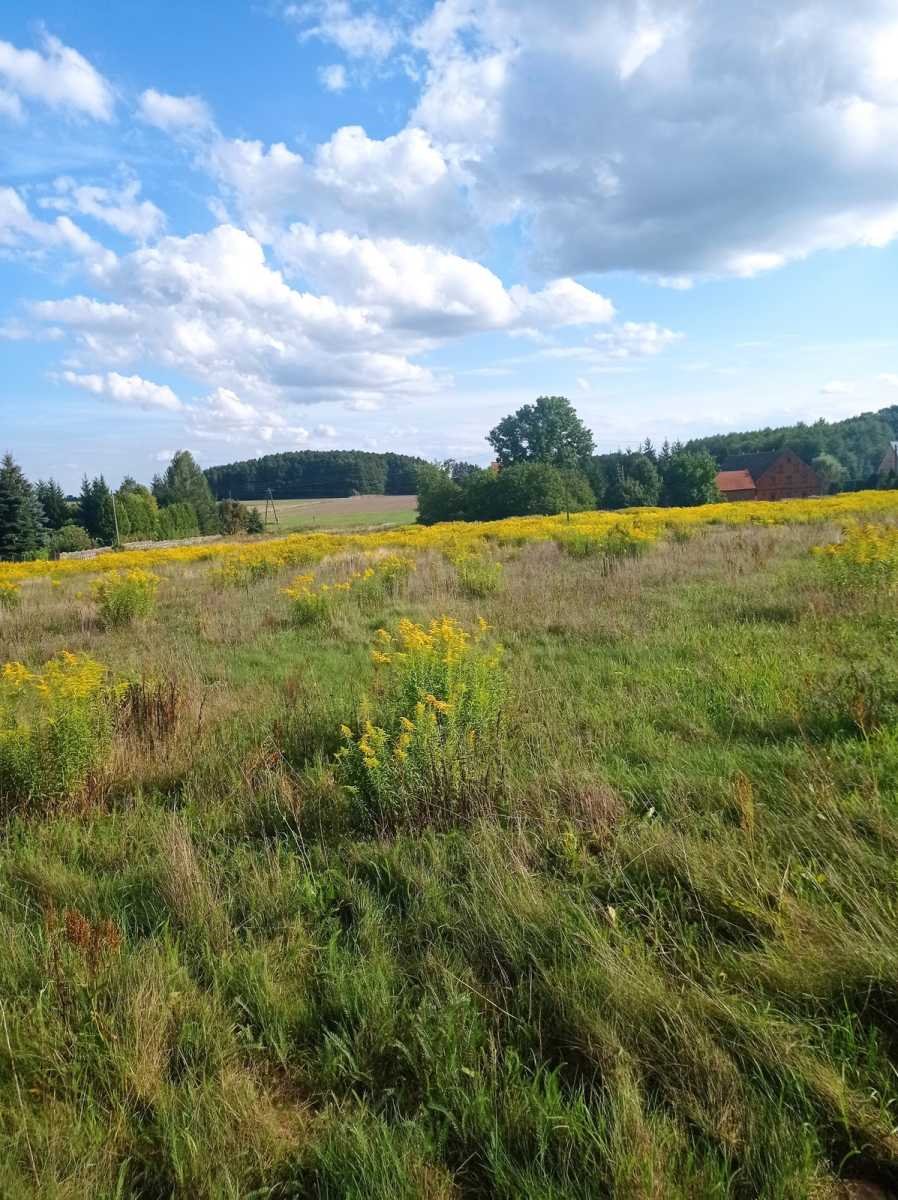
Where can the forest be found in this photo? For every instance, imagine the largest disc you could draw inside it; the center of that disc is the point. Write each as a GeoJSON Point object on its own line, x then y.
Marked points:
{"type": "Point", "coordinates": [309, 474]}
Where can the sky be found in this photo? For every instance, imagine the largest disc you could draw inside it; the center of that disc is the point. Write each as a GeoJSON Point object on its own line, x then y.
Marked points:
{"type": "Point", "coordinates": [248, 226]}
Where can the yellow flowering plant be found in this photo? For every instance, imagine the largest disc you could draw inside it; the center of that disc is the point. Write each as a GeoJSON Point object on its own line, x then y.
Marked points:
{"type": "Point", "coordinates": [429, 755]}
{"type": "Point", "coordinates": [55, 724]}
{"type": "Point", "coordinates": [866, 556]}
{"type": "Point", "coordinates": [122, 596]}
{"type": "Point", "coordinates": [10, 595]}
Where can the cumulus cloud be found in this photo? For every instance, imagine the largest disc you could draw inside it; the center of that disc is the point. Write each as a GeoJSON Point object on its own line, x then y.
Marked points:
{"type": "Point", "coordinates": [683, 138]}
{"type": "Point", "coordinates": [210, 306]}
{"type": "Point", "coordinates": [400, 183]}
{"type": "Point", "coordinates": [222, 416]}
{"type": "Point", "coordinates": [431, 291]}
{"type": "Point", "coordinates": [128, 390]}
{"type": "Point", "coordinates": [56, 76]}
{"type": "Point", "coordinates": [173, 113]}
{"type": "Point", "coordinates": [120, 208]}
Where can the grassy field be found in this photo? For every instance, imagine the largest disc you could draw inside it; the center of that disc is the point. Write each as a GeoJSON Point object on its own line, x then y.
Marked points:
{"type": "Point", "coordinates": [344, 512]}
{"type": "Point", "coordinates": [611, 912]}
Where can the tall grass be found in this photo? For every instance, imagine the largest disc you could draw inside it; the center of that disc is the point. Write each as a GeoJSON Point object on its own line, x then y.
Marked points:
{"type": "Point", "coordinates": [638, 940]}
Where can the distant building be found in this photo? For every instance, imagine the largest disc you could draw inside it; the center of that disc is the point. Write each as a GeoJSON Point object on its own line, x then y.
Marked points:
{"type": "Point", "coordinates": [771, 475]}
{"type": "Point", "coordinates": [889, 464]}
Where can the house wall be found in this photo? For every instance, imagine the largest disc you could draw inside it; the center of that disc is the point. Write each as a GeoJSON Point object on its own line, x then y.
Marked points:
{"type": "Point", "coordinates": [788, 478]}
{"type": "Point", "coordinates": [746, 494]}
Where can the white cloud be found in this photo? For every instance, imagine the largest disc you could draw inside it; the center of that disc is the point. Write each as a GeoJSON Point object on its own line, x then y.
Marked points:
{"type": "Point", "coordinates": [889, 380]}
{"type": "Point", "coordinates": [683, 138]}
{"type": "Point", "coordinates": [333, 77]}
{"type": "Point", "coordinates": [837, 387]}
{"type": "Point", "coordinates": [11, 106]}
{"type": "Point", "coordinates": [56, 76]}
{"type": "Point", "coordinates": [173, 113]}
{"type": "Point", "coordinates": [634, 339]}
{"type": "Point", "coordinates": [128, 390]}
{"type": "Point", "coordinates": [430, 291]}
{"type": "Point", "coordinates": [360, 35]}
{"type": "Point", "coordinates": [325, 431]}
{"type": "Point", "coordinates": [366, 185]}
{"type": "Point", "coordinates": [120, 208]}
{"type": "Point", "coordinates": [20, 230]}
{"type": "Point", "coordinates": [223, 416]}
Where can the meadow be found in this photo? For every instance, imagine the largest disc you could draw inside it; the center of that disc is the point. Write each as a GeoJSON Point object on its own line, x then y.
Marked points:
{"type": "Point", "coordinates": [546, 858]}
{"type": "Point", "coordinates": [341, 512]}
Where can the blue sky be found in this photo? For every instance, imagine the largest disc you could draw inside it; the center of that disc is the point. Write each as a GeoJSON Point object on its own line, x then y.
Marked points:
{"type": "Point", "coordinates": [249, 227]}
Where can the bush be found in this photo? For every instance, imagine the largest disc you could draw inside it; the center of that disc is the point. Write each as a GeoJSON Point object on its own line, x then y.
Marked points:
{"type": "Point", "coordinates": [70, 539]}
{"type": "Point", "coordinates": [616, 544]}
{"type": "Point", "coordinates": [865, 558]}
{"type": "Point", "coordinates": [254, 522]}
{"type": "Point", "coordinates": [54, 727]}
{"type": "Point", "coordinates": [428, 758]}
{"type": "Point", "coordinates": [122, 596]}
{"type": "Point", "coordinates": [382, 579]}
{"type": "Point", "coordinates": [233, 516]}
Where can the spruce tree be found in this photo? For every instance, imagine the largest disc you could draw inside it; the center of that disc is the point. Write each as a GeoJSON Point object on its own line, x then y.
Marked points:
{"type": "Point", "coordinates": [56, 508]}
{"type": "Point", "coordinates": [184, 483]}
{"type": "Point", "coordinates": [22, 526]}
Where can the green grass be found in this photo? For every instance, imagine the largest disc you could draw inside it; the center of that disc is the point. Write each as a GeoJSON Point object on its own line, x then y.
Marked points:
{"type": "Point", "coordinates": [341, 513]}
{"type": "Point", "coordinates": [659, 960]}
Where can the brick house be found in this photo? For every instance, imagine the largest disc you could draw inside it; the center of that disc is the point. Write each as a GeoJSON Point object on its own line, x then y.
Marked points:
{"type": "Point", "coordinates": [770, 475]}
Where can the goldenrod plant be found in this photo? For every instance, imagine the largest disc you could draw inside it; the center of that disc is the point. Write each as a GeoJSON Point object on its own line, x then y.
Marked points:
{"type": "Point", "coordinates": [123, 596]}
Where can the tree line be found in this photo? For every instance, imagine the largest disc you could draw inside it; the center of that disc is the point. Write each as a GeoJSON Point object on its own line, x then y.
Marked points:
{"type": "Point", "coordinates": [545, 464]}
{"type": "Point", "coordinates": [315, 474]}
{"type": "Point", "coordinates": [38, 519]}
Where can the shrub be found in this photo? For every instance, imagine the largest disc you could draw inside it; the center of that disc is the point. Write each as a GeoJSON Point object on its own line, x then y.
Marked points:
{"type": "Point", "coordinates": [254, 521]}
{"type": "Point", "coordinates": [54, 727]}
{"type": "Point", "coordinates": [10, 596]}
{"type": "Point", "coordinates": [123, 596]}
{"type": "Point", "coordinates": [69, 539]}
{"type": "Point", "coordinates": [428, 757]}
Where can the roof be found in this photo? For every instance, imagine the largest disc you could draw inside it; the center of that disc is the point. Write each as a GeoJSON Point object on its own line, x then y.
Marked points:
{"type": "Point", "coordinates": [754, 464]}
{"type": "Point", "coordinates": [735, 481]}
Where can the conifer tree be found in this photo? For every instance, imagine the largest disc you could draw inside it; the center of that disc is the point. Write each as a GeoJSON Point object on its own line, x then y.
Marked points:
{"type": "Point", "coordinates": [22, 525]}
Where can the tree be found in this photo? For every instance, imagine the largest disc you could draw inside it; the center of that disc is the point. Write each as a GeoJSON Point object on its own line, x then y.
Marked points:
{"type": "Point", "coordinates": [22, 528]}
{"type": "Point", "coordinates": [548, 431]}
{"type": "Point", "coordinates": [829, 471]}
{"type": "Point", "coordinates": [184, 483]}
{"type": "Point", "coordinates": [57, 510]}
{"type": "Point", "coordinates": [69, 538]}
{"type": "Point", "coordinates": [635, 483]}
{"type": "Point", "coordinates": [233, 517]}
{"type": "Point", "coordinates": [254, 522]}
{"type": "Point", "coordinates": [690, 478]}
{"type": "Point", "coordinates": [440, 498]}
{"type": "Point", "coordinates": [95, 509]}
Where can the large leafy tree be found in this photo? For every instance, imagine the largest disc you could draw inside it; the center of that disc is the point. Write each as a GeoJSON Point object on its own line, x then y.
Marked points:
{"type": "Point", "coordinates": [690, 478]}
{"type": "Point", "coordinates": [634, 481]}
{"type": "Point", "coordinates": [184, 483]}
{"type": "Point", "coordinates": [22, 526]}
{"type": "Point", "coordinates": [548, 431]}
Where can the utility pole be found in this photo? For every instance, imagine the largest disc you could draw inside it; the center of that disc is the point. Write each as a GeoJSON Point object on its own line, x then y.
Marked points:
{"type": "Point", "coordinates": [118, 540]}
{"type": "Point", "coordinates": [269, 499]}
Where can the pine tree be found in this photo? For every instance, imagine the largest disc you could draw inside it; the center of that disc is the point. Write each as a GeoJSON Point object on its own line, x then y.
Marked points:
{"type": "Point", "coordinates": [56, 508]}
{"type": "Point", "coordinates": [22, 525]}
{"type": "Point", "coordinates": [95, 508]}
{"type": "Point", "coordinates": [184, 483]}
